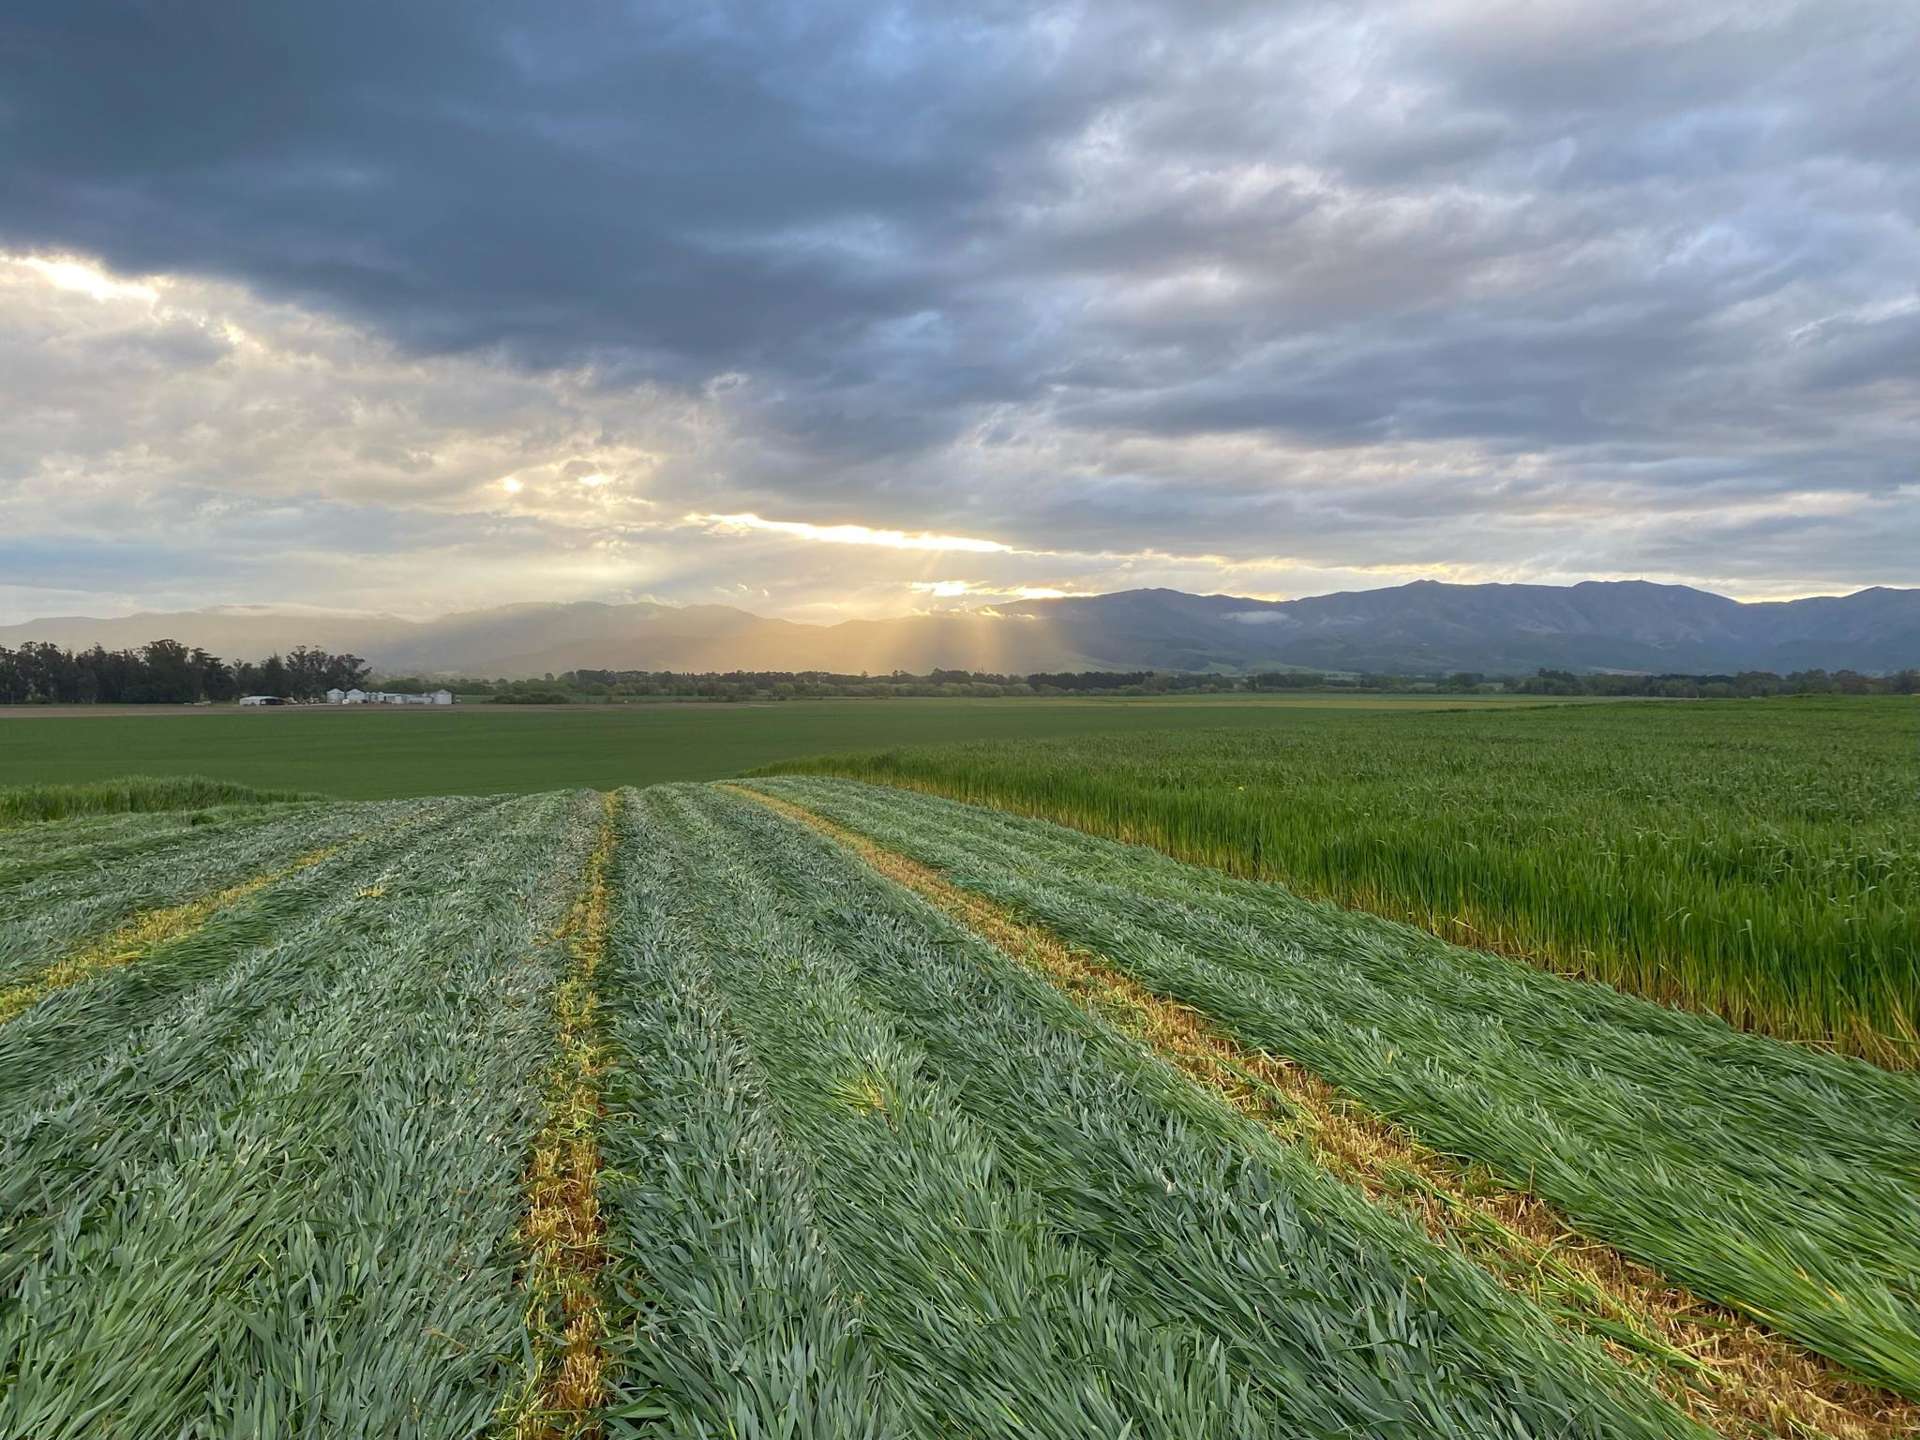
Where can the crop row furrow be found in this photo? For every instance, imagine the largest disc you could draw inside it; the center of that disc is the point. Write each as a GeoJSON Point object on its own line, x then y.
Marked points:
{"type": "Point", "coordinates": [563, 1230]}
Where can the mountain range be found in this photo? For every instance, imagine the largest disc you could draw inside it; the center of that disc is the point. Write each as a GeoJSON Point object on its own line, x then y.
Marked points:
{"type": "Point", "coordinates": [1422, 627]}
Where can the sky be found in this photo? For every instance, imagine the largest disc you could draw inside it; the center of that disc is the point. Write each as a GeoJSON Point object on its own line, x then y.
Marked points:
{"type": "Point", "coordinates": [828, 310]}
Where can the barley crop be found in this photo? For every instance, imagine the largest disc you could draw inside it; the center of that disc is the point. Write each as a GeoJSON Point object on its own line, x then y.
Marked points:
{"type": "Point", "coordinates": [1755, 860]}
{"type": "Point", "coordinates": [1781, 1182]}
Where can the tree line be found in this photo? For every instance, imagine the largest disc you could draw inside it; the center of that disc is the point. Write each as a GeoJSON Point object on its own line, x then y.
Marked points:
{"type": "Point", "coordinates": [1748, 684]}
{"type": "Point", "coordinates": [165, 672]}
{"type": "Point", "coordinates": [619, 685]}
{"type": "Point", "coordinates": [168, 672]}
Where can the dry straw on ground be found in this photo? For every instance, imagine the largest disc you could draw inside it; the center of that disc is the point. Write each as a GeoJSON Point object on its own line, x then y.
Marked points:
{"type": "Point", "coordinates": [563, 1230]}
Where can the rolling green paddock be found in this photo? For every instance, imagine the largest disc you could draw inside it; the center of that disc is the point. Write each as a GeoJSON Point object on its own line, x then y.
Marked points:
{"type": "Point", "coordinates": [1755, 859]}
{"type": "Point", "coordinates": [368, 753]}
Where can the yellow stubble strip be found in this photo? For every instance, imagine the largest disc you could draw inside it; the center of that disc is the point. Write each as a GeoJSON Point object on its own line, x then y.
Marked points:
{"type": "Point", "coordinates": [143, 934]}
{"type": "Point", "coordinates": [1725, 1370]}
{"type": "Point", "coordinates": [562, 1230]}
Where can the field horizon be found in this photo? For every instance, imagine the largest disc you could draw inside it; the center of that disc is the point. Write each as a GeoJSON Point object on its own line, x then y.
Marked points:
{"type": "Point", "coordinates": [368, 752]}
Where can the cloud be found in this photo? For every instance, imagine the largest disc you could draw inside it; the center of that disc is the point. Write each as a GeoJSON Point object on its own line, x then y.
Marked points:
{"type": "Point", "coordinates": [854, 535]}
{"type": "Point", "coordinates": [1235, 297]}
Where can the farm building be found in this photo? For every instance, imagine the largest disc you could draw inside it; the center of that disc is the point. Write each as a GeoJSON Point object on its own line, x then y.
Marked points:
{"type": "Point", "coordinates": [387, 697]}
{"type": "Point", "coordinates": [261, 700]}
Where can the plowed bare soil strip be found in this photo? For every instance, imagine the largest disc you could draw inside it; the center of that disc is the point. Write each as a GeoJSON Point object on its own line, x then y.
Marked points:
{"type": "Point", "coordinates": [1721, 1368]}
{"type": "Point", "coordinates": [563, 1230]}
{"type": "Point", "coordinates": [145, 933]}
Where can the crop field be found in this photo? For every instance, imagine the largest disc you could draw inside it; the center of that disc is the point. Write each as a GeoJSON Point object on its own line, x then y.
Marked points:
{"type": "Point", "coordinates": [1755, 860]}
{"type": "Point", "coordinates": [802, 1108]}
{"type": "Point", "coordinates": [374, 753]}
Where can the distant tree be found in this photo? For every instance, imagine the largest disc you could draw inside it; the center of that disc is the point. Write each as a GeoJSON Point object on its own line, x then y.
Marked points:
{"type": "Point", "coordinates": [168, 674]}
{"type": "Point", "coordinates": [272, 677]}
{"type": "Point", "coordinates": [215, 676]}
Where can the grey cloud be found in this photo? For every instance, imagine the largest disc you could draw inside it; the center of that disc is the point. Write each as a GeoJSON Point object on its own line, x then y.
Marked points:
{"type": "Point", "coordinates": [1029, 272]}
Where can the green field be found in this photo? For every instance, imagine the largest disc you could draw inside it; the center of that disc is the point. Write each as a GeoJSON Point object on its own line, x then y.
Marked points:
{"type": "Point", "coordinates": [660, 1113]}
{"type": "Point", "coordinates": [1759, 860]}
{"type": "Point", "coordinates": [368, 753]}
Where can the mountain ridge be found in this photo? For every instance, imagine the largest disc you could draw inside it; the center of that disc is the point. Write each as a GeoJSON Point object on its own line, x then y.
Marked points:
{"type": "Point", "coordinates": [1422, 626]}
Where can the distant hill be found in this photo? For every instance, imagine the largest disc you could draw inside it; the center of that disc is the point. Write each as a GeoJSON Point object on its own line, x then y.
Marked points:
{"type": "Point", "coordinates": [1425, 626]}
{"type": "Point", "coordinates": [1599, 625]}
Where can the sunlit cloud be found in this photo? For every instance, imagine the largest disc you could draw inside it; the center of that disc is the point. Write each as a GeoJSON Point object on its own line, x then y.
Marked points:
{"type": "Point", "coordinates": [854, 534]}
{"type": "Point", "coordinates": [82, 277]}
{"type": "Point", "coordinates": [956, 589]}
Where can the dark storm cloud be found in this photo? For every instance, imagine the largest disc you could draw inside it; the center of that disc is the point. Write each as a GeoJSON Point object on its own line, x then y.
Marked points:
{"type": "Point", "coordinates": [1000, 269]}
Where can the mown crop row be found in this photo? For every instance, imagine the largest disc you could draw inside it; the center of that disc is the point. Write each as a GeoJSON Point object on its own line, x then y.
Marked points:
{"type": "Point", "coordinates": [1781, 1182]}
{"type": "Point", "coordinates": [1760, 861]}
{"type": "Point", "coordinates": [265, 1179]}
{"type": "Point", "coordinates": [869, 1176]}
{"type": "Point", "coordinates": [662, 1114]}
{"type": "Point", "coordinates": [52, 898]}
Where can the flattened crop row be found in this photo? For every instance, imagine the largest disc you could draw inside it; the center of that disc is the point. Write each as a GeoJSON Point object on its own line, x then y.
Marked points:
{"type": "Point", "coordinates": [68, 1028]}
{"type": "Point", "coordinates": [1728, 1372]}
{"type": "Point", "coordinates": [99, 889]}
{"type": "Point", "coordinates": [515, 1107]}
{"type": "Point", "coordinates": [286, 1200]}
{"type": "Point", "coordinates": [1756, 861]}
{"type": "Point", "coordinates": [983, 1209]}
{"type": "Point", "coordinates": [1777, 1181]}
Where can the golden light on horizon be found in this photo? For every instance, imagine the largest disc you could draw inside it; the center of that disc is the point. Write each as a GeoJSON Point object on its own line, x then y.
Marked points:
{"type": "Point", "coordinates": [854, 534]}
{"type": "Point", "coordinates": [953, 589]}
